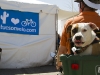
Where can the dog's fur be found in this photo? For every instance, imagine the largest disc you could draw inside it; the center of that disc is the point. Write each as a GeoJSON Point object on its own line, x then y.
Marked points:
{"type": "Point", "coordinates": [82, 35]}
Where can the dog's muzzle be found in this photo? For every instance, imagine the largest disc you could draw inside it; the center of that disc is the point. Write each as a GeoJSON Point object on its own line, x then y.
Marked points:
{"type": "Point", "coordinates": [78, 37]}
{"type": "Point", "coordinates": [78, 40]}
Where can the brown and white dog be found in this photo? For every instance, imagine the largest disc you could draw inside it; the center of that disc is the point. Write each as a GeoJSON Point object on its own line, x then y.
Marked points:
{"type": "Point", "coordinates": [84, 38]}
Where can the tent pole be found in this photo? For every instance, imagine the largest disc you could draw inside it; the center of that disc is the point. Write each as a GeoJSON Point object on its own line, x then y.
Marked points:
{"type": "Point", "coordinates": [56, 28]}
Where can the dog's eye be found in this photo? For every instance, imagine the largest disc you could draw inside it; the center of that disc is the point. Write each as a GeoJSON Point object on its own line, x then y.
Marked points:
{"type": "Point", "coordinates": [84, 30]}
{"type": "Point", "coordinates": [75, 30]}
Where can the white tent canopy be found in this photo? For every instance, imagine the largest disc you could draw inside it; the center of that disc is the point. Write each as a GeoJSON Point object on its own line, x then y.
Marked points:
{"type": "Point", "coordinates": [22, 50]}
{"type": "Point", "coordinates": [63, 13]}
{"type": "Point", "coordinates": [68, 8]}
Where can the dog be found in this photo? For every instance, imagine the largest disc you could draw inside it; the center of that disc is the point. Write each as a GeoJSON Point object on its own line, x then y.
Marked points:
{"type": "Point", "coordinates": [84, 38]}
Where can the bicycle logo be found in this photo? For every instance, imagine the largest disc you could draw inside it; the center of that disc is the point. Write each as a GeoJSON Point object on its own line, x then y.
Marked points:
{"type": "Point", "coordinates": [28, 23]}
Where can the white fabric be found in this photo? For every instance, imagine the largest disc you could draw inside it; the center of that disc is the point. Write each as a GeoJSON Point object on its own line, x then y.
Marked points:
{"type": "Point", "coordinates": [93, 5]}
{"type": "Point", "coordinates": [32, 7]}
{"type": "Point", "coordinates": [62, 14]}
{"type": "Point", "coordinates": [20, 51]}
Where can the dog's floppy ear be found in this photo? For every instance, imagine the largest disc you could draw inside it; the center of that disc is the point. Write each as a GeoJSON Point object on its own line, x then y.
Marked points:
{"type": "Point", "coordinates": [69, 28]}
{"type": "Point", "coordinates": [93, 26]}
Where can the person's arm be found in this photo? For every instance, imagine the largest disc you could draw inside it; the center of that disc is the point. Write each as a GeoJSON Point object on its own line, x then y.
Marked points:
{"type": "Point", "coordinates": [61, 50]}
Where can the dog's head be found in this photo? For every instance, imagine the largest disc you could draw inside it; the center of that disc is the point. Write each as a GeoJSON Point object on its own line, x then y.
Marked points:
{"type": "Point", "coordinates": [82, 33]}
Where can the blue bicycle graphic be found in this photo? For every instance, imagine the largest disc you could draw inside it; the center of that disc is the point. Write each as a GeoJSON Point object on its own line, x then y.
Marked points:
{"type": "Point", "coordinates": [28, 23]}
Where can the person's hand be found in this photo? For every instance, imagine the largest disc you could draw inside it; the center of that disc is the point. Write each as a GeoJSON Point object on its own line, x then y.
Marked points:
{"type": "Point", "coordinates": [58, 65]}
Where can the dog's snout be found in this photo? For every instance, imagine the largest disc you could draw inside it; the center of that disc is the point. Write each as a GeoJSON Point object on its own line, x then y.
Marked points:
{"type": "Point", "coordinates": [78, 37]}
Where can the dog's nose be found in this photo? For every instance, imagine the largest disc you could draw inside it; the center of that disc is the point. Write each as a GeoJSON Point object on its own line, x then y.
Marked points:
{"type": "Point", "coordinates": [78, 37]}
